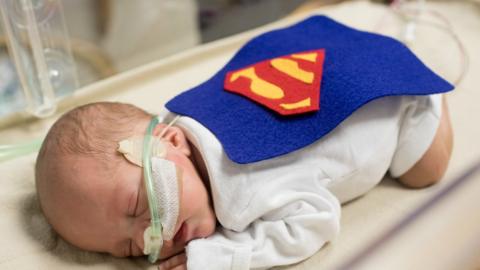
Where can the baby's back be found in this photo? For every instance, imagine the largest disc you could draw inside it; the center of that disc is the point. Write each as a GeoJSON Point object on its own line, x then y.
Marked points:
{"type": "Point", "coordinates": [389, 133]}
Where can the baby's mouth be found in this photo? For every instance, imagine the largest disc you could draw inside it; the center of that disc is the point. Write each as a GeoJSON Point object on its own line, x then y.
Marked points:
{"type": "Point", "coordinates": [181, 233]}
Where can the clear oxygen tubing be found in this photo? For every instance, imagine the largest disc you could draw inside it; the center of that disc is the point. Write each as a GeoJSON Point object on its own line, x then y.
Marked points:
{"type": "Point", "coordinates": [413, 18]}
{"type": "Point", "coordinates": [39, 46]}
{"type": "Point", "coordinates": [155, 223]}
{"type": "Point", "coordinates": [10, 151]}
{"type": "Point", "coordinates": [156, 231]}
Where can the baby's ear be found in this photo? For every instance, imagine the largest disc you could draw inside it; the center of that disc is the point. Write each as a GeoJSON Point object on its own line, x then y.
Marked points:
{"type": "Point", "coordinates": [175, 136]}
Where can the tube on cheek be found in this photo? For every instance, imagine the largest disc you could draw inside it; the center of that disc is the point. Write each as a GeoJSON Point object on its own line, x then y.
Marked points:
{"type": "Point", "coordinates": [166, 176]}
{"type": "Point", "coordinates": [161, 183]}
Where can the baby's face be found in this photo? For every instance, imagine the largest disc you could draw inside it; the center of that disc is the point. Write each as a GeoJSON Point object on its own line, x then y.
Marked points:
{"type": "Point", "coordinates": [121, 212]}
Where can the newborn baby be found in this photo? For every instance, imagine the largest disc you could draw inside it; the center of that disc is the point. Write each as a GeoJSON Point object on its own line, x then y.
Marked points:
{"type": "Point", "coordinates": [274, 212]}
{"type": "Point", "coordinates": [95, 198]}
{"type": "Point", "coordinates": [300, 120]}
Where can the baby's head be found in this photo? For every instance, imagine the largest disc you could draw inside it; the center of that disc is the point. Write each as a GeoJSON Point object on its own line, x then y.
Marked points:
{"type": "Point", "coordinates": [96, 199]}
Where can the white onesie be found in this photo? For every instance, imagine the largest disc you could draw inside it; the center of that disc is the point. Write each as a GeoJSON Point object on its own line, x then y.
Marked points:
{"type": "Point", "coordinates": [282, 210]}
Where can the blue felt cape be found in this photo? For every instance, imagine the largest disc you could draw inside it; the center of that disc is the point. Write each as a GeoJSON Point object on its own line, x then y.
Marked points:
{"type": "Point", "coordinates": [358, 67]}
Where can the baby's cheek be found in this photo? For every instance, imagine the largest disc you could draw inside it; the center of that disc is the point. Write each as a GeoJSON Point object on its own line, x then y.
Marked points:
{"type": "Point", "coordinates": [207, 226]}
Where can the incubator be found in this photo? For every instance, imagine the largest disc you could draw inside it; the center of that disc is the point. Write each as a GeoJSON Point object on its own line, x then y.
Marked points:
{"type": "Point", "coordinates": [41, 61]}
{"type": "Point", "coordinates": [39, 48]}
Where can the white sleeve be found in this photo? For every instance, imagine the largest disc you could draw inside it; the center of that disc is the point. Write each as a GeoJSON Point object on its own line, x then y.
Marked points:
{"type": "Point", "coordinates": [290, 226]}
{"type": "Point", "coordinates": [417, 130]}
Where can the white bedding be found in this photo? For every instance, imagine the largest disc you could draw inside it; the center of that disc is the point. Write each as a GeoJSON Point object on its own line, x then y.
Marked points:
{"type": "Point", "coordinates": [27, 242]}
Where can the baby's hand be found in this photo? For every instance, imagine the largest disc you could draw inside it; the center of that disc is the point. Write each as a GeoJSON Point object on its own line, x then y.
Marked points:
{"type": "Point", "coordinates": [177, 262]}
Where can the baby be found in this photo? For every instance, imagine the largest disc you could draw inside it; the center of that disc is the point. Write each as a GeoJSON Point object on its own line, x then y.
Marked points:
{"type": "Point", "coordinates": [249, 188]}
{"type": "Point", "coordinates": [95, 198]}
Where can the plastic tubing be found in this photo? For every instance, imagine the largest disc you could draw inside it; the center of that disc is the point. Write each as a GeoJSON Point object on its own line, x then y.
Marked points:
{"type": "Point", "coordinates": [39, 46]}
{"type": "Point", "coordinates": [10, 151]}
{"type": "Point", "coordinates": [156, 231]}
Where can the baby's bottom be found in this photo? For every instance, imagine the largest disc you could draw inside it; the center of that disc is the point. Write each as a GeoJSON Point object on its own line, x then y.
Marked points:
{"type": "Point", "coordinates": [433, 164]}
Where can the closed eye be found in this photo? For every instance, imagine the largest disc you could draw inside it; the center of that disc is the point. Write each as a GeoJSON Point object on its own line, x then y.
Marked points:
{"type": "Point", "coordinates": [130, 248]}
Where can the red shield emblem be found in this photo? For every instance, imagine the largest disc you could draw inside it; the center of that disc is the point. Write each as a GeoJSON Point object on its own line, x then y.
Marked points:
{"type": "Point", "coordinates": [288, 84]}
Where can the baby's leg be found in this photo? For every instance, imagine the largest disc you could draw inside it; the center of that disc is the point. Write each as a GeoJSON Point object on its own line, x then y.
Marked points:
{"type": "Point", "coordinates": [432, 166]}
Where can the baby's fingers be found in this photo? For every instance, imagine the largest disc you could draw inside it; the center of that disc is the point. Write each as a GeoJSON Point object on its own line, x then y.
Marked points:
{"type": "Point", "coordinates": [177, 262]}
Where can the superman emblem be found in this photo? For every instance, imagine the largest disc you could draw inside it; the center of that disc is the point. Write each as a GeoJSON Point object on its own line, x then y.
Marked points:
{"type": "Point", "coordinates": [288, 84]}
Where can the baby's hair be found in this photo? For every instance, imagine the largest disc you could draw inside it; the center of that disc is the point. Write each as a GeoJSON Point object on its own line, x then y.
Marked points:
{"type": "Point", "coordinates": [93, 129]}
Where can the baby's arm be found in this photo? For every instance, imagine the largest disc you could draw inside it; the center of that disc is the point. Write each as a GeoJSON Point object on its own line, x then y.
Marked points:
{"type": "Point", "coordinates": [433, 164]}
{"type": "Point", "coordinates": [296, 220]}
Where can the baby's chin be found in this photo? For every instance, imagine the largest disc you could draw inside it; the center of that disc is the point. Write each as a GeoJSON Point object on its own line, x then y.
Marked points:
{"type": "Point", "coordinates": [170, 249]}
{"type": "Point", "coordinates": [176, 246]}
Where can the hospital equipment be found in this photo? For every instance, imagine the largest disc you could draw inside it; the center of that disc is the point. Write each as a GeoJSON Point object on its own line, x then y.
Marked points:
{"type": "Point", "coordinates": [154, 232]}
{"type": "Point", "coordinates": [413, 14]}
{"type": "Point", "coordinates": [161, 184]}
{"type": "Point", "coordinates": [39, 47]}
{"type": "Point", "coordinates": [16, 150]}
